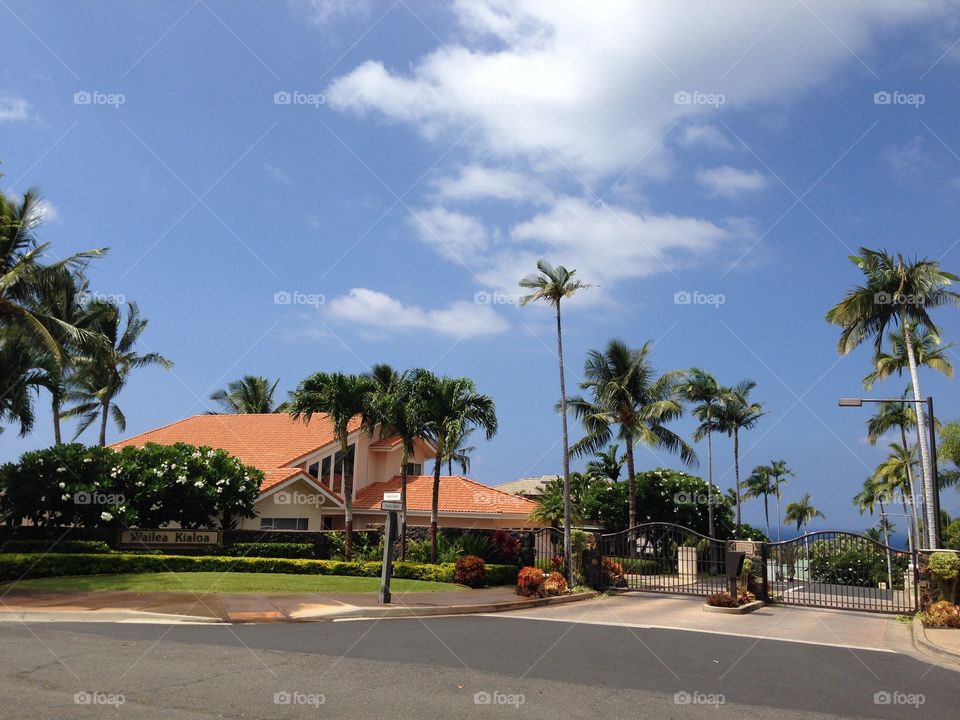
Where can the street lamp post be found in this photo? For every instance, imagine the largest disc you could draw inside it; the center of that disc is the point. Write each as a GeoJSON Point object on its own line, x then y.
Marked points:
{"type": "Point", "coordinates": [934, 528]}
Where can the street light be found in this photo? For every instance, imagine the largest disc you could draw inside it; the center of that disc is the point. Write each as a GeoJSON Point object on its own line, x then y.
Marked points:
{"type": "Point", "coordinates": [935, 520]}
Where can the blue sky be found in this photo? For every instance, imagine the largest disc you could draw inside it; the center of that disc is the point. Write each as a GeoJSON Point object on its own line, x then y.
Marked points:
{"type": "Point", "coordinates": [397, 164]}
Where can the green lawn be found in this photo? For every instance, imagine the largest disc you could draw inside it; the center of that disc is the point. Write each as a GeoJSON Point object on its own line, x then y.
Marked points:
{"type": "Point", "coordinates": [232, 582]}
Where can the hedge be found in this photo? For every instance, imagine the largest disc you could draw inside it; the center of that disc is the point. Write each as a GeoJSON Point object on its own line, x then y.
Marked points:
{"type": "Point", "coordinates": [16, 566]}
{"type": "Point", "coordinates": [272, 550]}
{"type": "Point", "coordinates": [64, 546]}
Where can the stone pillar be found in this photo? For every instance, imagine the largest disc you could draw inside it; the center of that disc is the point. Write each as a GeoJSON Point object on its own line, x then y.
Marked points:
{"type": "Point", "coordinates": [687, 564]}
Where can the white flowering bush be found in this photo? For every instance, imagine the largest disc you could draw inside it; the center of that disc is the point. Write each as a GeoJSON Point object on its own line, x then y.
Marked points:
{"type": "Point", "coordinates": [134, 487]}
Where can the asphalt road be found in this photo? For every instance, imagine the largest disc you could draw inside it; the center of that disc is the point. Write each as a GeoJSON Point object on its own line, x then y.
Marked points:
{"type": "Point", "coordinates": [450, 668]}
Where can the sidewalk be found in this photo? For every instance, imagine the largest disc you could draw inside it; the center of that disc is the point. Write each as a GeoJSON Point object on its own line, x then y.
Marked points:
{"type": "Point", "coordinates": [256, 607]}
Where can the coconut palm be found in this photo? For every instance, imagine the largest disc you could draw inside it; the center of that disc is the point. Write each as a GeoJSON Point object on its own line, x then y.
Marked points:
{"type": "Point", "coordinates": [738, 413]}
{"type": "Point", "coordinates": [897, 293]}
{"type": "Point", "coordinates": [23, 276]}
{"type": "Point", "coordinates": [800, 513]}
{"type": "Point", "coordinates": [758, 485]}
{"type": "Point", "coordinates": [100, 376]}
{"type": "Point", "coordinates": [342, 397]}
{"type": "Point", "coordinates": [892, 476]}
{"type": "Point", "coordinates": [778, 472]}
{"type": "Point", "coordinates": [459, 452]}
{"type": "Point", "coordinates": [250, 395]}
{"type": "Point", "coordinates": [701, 388]}
{"type": "Point", "coordinates": [446, 406]}
{"type": "Point", "coordinates": [608, 464]}
{"type": "Point", "coordinates": [552, 284]}
{"type": "Point", "coordinates": [930, 352]}
{"type": "Point", "coordinates": [630, 403]}
{"type": "Point", "coordinates": [19, 381]}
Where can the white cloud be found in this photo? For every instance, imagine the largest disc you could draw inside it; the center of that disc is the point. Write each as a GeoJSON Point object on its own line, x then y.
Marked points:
{"type": "Point", "coordinates": [453, 235]}
{"type": "Point", "coordinates": [477, 182]}
{"type": "Point", "coordinates": [731, 182]}
{"type": "Point", "coordinates": [374, 310]}
{"type": "Point", "coordinates": [44, 211]}
{"type": "Point", "coordinates": [321, 12]}
{"type": "Point", "coordinates": [911, 158]}
{"type": "Point", "coordinates": [14, 109]}
{"type": "Point", "coordinates": [703, 135]}
{"type": "Point", "coordinates": [591, 85]}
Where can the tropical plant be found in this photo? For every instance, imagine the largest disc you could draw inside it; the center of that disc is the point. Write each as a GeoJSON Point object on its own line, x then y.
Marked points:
{"type": "Point", "coordinates": [550, 499]}
{"type": "Point", "coordinates": [897, 293]}
{"type": "Point", "coordinates": [628, 401]}
{"type": "Point", "coordinates": [342, 397]}
{"type": "Point", "coordinates": [927, 347]}
{"type": "Point", "coordinates": [250, 395]}
{"type": "Point", "coordinates": [101, 375]}
{"type": "Point", "coordinates": [800, 513]}
{"type": "Point", "coordinates": [607, 464]}
{"type": "Point", "coordinates": [19, 380]}
{"type": "Point", "coordinates": [778, 472]}
{"type": "Point", "coordinates": [738, 413]}
{"type": "Point", "coordinates": [892, 476]}
{"type": "Point", "coordinates": [759, 485]}
{"type": "Point", "coordinates": [446, 406]}
{"type": "Point", "coordinates": [459, 452]}
{"type": "Point", "coordinates": [551, 285]}
{"type": "Point", "coordinates": [701, 388]}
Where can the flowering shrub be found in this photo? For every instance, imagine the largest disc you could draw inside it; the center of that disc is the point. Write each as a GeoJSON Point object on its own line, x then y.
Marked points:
{"type": "Point", "coordinates": [470, 571]}
{"type": "Point", "coordinates": [530, 582]}
{"type": "Point", "coordinates": [555, 584]}
{"type": "Point", "coordinates": [133, 487]}
{"type": "Point", "coordinates": [613, 573]}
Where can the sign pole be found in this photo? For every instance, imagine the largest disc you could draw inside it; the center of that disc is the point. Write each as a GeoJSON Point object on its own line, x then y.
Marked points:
{"type": "Point", "coordinates": [391, 504]}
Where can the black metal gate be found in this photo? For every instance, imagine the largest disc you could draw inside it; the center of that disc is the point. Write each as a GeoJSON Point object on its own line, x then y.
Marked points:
{"type": "Point", "coordinates": [663, 557]}
{"type": "Point", "coordinates": [841, 570]}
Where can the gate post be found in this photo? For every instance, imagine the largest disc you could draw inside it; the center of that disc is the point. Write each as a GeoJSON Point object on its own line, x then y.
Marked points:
{"type": "Point", "coordinates": [764, 579]}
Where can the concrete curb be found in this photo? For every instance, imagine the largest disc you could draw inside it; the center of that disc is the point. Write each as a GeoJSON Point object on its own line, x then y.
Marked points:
{"type": "Point", "coordinates": [739, 610]}
{"type": "Point", "coordinates": [377, 613]}
{"type": "Point", "coordinates": [921, 642]}
{"type": "Point", "coordinates": [102, 616]}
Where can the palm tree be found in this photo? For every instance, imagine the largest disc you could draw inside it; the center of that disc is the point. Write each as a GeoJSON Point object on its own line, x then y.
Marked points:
{"type": "Point", "coordinates": [459, 452]}
{"type": "Point", "coordinates": [930, 352]}
{"type": "Point", "coordinates": [19, 380]}
{"type": "Point", "coordinates": [102, 374]}
{"type": "Point", "coordinates": [891, 415]}
{"type": "Point", "coordinates": [897, 293]}
{"type": "Point", "coordinates": [759, 485]}
{"type": "Point", "coordinates": [701, 388]}
{"type": "Point", "coordinates": [23, 276]}
{"type": "Point", "coordinates": [394, 409]}
{"type": "Point", "coordinates": [341, 397]}
{"type": "Point", "coordinates": [778, 472]}
{"type": "Point", "coordinates": [801, 513]}
{"type": "Point", "coordinates": [738, 413]}
{"type": "Point", "coordinates": [608, 464]}
{"type": "Point", "coordinates": [551, 285]}
{"type": "Point", "coordinates": [893, 476]}
{"type": "Point", "coordinates": [250, 395]}
{"type": "Point", "coordinates": [628, 401]}
{"type": "Point", "coordinates": [446, 406]}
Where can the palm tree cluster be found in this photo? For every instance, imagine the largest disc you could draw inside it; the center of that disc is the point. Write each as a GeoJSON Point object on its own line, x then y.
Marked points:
{"type": "Point", "coordinates": [53, 336]}
{"type": "Point", "coordinates": [410, 405]}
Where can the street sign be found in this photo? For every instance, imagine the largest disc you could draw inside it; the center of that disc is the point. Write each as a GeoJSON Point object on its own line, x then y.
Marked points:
{"type": "Point", "coordinates": [391, 501]}
{"type": "Point", "coordinates": [161, 539]}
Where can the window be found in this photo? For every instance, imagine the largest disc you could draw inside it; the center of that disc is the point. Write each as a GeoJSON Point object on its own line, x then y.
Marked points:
{"type": "Point", "coordinates": [314, 469]}
{"type": "Point", "coordinates": [414, 469]}
{"type": "Point", "coordinates": [284, 523]}
{"type": "Point", "coordinates": [327, 523]}
{"type": "Point", "coordinates": [325, 471]}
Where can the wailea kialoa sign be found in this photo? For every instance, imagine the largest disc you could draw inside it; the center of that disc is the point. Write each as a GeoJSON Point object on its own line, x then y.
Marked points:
{"type": "Point", "coordinates": [173, 539]}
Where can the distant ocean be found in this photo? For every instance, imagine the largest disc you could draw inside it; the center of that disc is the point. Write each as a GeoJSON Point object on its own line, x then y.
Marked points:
{"type": "Point", "coordinates": [898, 540]}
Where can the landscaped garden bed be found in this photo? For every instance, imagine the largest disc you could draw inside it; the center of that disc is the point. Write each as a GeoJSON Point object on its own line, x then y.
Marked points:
{"type": "Point", "coordinates": [725, 602]}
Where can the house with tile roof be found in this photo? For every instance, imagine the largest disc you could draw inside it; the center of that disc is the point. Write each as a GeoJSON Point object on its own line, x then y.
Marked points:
{"type": "Point", "coordinates": [304, 470]}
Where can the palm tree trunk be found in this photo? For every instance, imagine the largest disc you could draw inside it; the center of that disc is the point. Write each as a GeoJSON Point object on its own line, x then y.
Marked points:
{"type": "Point", "coordinates": [567, 513]}
{"type": "Point", "coordinates": [55, 407]}
{"type": "Point", "coordinates": [736, 473]}
{"type": "Point", "coordinates": [347, 501]}
{"type": "Point", "coordinates": [925, 466]}
{"type": "Point", "coordinates": [632, 495]}
{"type": "Point", "coordinates": [403, 504]}
{"type": "Point", "coordinates": [779, 516]}
{"type": "Point", "coordinates": [435, 503]}
{"type": "Point", "coordinates": [915, 525]}
{"type": "Point", "coordinates": [766, 511]}
{"type": "Point", "coordinates": [710, 520]}
{"type": "Point", "coordinates": [104, 414]}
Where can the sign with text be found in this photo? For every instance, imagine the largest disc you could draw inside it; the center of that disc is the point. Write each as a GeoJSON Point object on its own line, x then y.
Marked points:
{"type": "Point", "coordinates": [748, 547]}
{"type": "Point", "coordinates": [168, 538]}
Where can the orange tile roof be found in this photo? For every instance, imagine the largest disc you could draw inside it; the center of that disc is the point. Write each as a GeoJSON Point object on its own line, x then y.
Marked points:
{"type": "Point", "coordinates": [457, 495]}
{"type": "Point", "coordinates": [270, 442]}
{"type": "Point", "coordinates": [387, 443]}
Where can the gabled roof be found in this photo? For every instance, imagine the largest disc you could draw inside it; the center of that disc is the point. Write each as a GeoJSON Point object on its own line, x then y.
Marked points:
{"type": "Point", "coordinates": [457, 495]}
{"type": "Point", "coordinates": [527, 485]}
{"type": "Point", "coordinates": [270, 442]}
